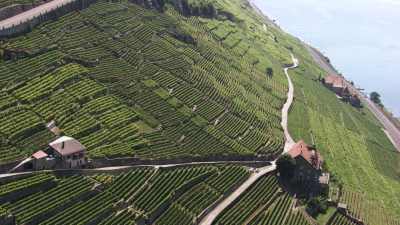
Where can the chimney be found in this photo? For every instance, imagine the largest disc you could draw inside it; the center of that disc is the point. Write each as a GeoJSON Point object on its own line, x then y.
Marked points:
{"type": "Point", "coordinates": [62, 145]}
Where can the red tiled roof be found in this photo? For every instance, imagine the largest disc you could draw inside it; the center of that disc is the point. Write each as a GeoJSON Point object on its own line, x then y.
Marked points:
{"type": "Point", "coordinates": [40, 155]}
{"type": "Point", "coordinates": [307, 153]}
{"type": "Point", "coordinates": [335, 81]}
{"type": "Point", "coordinates": [67, 146]}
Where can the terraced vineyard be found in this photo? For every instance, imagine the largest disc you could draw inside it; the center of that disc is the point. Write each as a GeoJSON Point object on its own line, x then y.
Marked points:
{"type": "Point", "coordinates": [143, 194]}
{"type": "Point", "coordinates": [263, 203]}
{"type": "Point", "coordinates": [339, 218]}
{"type": "Point", "coordinates": [352, 142]}
{"type": "Point", "coordinates": [137, 82]}
{"type": "Point", "coordinates": [365, 210]}
{"type": "Point", "coordinates": [118, 78]}
{"type": "Point", "coordinates": [154, 196]}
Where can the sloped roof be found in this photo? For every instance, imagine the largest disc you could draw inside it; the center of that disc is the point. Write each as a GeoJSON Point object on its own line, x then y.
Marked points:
{"type": "Point", "coordinates": [335, 81]}
{"type": "Point", "coordinates": [67, 146]}
{"type": "Point", "coordinates": [39, 155]}
{"type": "Point", "coordinates": [311, 155]}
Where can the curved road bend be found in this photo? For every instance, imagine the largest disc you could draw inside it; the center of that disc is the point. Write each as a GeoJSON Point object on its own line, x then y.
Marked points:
{"type": "Point", "coordinates": [211, 216]}
{"type": "Point", "coordinates": [32, 13]}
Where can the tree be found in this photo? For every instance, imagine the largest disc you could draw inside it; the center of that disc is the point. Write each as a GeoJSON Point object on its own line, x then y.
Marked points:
{"type": "Point", "coordinates": [270, 72]}
{"type": "Point", "coordinates": [286, 166]}
{"type": "Point", "coordinates": [376, 98]}
{"type": "Point", "coordinates": [316, 206]}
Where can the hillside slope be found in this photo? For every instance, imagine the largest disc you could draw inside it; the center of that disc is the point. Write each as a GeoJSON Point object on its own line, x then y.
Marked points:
{"type": "Point", "coordinates": [356, 149]}
{"type": "Point", "coordinates": [155, 81]}
{"type": "Point", "coordinates": [127, 81]}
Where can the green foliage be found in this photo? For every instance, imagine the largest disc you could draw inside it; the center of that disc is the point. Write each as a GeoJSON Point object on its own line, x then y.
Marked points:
{"type": "Point", "coordinates": [24, 183]}
{"type": "Point", "coordinates": [33, 206]}
{"type": "Point", "coordinates": [286, 166]}
{"type": "Point", "coordinates": [376, 98]}
{"type": "Point", "coordinates": [259, 194]}
{"type": "Point", "coordinates": [317, 205]}
{"type": "Point", "coordinates": [99, 71]}
{"type": "Point", "coordinates": [351, 141]}
{"type": "Point", "coordinates": [269, 71]}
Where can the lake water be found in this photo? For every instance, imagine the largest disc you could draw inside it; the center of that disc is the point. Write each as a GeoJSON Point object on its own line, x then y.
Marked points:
{"type": "Point", "coordinates": [361, 37]}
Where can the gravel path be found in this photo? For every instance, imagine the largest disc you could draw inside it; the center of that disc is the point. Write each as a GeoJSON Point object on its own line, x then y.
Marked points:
{"type": "Point", "coordinates": [32, 13]}
{"type": "Point", "coordinates": [211, 216]}
{"type": "Point", "coordinates": [286, 108]}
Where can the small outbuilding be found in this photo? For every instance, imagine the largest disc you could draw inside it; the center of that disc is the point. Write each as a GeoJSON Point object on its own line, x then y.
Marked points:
{"type": "Point", "coordinates": [39, 160]}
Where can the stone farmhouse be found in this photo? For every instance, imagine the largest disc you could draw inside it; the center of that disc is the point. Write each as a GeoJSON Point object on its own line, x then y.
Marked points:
{"type": "Point", "coordinates": [64, 152]}
{"type": "Point", "coordinates": [308, 171]}
{"type": "Point", "coordinates": [340, 86]}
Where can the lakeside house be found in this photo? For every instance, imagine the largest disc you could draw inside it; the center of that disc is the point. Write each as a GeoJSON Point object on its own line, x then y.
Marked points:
{"type": "Point", "coordinates": [342, 89]}
{"type": "Point", "coordinates": [308, 171]}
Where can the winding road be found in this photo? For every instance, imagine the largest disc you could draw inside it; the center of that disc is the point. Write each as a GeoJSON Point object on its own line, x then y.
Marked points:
{"type": "Point", "coordinates": [32, 13]}
{"type": "Point", "coordinates": [213, 214]}
{"type": "Point", "coordinates": [286, 107]}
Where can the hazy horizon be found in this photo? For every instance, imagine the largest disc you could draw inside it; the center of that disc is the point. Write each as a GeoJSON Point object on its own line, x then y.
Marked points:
{"type": "Point", "coordinates": [359, 36]}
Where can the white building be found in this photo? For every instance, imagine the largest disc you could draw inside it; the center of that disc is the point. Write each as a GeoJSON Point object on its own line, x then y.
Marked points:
{"type": "Point", "coordinates": [69, 152]}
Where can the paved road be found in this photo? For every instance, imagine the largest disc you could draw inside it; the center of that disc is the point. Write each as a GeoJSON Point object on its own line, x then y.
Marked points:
{"type": "Point", "coordinates": [32, 13]}
{"type": "Point", "coordinates": [390, 129]}
{"type": "Point", "coordinates": [211, 216]}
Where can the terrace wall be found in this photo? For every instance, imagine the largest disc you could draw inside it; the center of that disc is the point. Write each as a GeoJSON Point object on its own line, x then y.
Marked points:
{"type": "Point", "coordinates": [28, 25]}
{"type": "Point", "coordinates": [251, 160]}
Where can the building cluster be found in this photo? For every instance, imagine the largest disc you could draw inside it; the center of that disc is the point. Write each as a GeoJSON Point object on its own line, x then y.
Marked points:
{"type": "Point", "coordinates": [62, 153]}
{"type": "Point", "coordinates": [342, 89]}
{"type": "Point", "coordinates": [308, 172]}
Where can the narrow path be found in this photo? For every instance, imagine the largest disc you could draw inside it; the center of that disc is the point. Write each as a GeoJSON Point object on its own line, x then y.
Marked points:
{"type": "Point", "coordinates": [32, 13]}
{"type": "Point", "coordinates": [211, 216]}
{"type": "Point", "coordinates": [113, 168]}
{"type": "Point", "coordinates": [289, 142]}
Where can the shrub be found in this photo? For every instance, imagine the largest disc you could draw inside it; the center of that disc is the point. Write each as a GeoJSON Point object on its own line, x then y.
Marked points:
{"type": "Point", "coordinates": [285, 166]}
